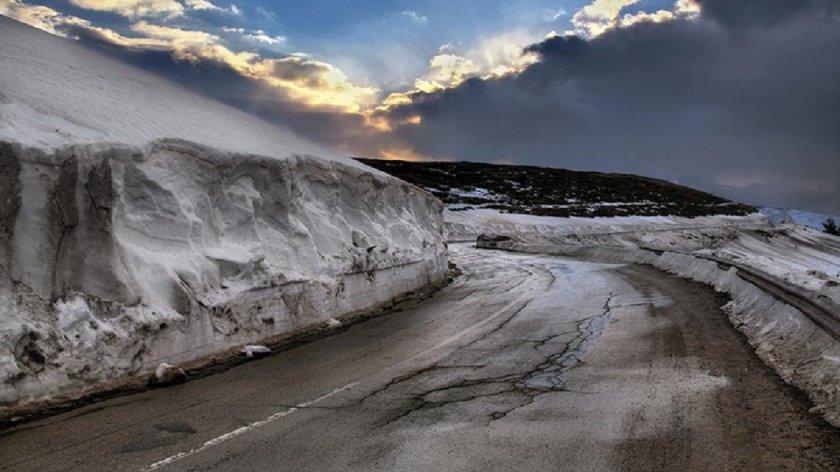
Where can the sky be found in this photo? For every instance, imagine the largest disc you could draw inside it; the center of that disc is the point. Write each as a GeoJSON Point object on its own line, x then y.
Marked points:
{"type": "Point", "coordinates": [740, 98]}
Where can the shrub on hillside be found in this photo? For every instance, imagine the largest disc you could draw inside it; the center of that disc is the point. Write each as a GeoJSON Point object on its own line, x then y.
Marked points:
{"type": "Point", "coordinates": [830, 227]}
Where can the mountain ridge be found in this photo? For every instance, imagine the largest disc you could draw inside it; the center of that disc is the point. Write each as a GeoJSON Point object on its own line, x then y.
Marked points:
{"type": "Point", "coordinates": [546, 191]}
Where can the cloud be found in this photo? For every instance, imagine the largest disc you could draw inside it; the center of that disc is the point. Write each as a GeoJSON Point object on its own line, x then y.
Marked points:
{"type": "Point", "coordinates": [764, 13]}
{"type": "Point", "coordinates": [202, 5]}
{"type": "Point", "coordinates": [268, 15]}
{"type": "Point", "coordinates": [689, 8]}
{"type": "Point", "coordinates": [133, 8]}
{"type": "Point", "coordinates": [554, 15]}
{"type": "Point", "coordinates": [153, 8]}
{"type": "Point", "coordinates": [415, 17]}
{"type": "Point", "coordinates": [741, 101]}
{"type": "Point", "coordinates": [660, 16]}
{"type": "Point", "coordinates": [256, 36]}
{"type": "Point", "coordinates": [43, 18]}
{"type": "Point", "coordinates": [178, 38]}
{"type": "Point", "coordinates": [260, 36]}
{"type": "Point", "coordinates": [495, 56]}
{"type": "Point", "coordinates": [599, 16]}
{"type": "Point", "coordinates": [314, 83]}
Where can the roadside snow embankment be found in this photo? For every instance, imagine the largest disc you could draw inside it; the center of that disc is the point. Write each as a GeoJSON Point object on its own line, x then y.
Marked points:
{"type": "Point", "coordinates": [125, 245]}
{"type": "Point", "coordinates": [117, 258]}
{"type": "Point", "coordinates": [784, 281]}
{"type": "Point", "coordinates": [467, 225]}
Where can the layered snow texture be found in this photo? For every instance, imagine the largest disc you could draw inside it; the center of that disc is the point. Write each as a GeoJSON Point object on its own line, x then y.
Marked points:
{"type": "Point", "coordinates": [143, 224]}
{"type": "Point", "coordinates": [800, 346]}
{"type": "Point", "coordinates": [118, 258]}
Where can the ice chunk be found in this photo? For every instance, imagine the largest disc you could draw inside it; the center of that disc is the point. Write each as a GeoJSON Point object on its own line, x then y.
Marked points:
{"type": "Point", "coordinates": [252, 350]}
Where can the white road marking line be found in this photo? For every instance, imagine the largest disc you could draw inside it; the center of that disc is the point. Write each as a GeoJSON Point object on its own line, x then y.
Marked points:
{"type": "Point", "coordinates": [244, 429]}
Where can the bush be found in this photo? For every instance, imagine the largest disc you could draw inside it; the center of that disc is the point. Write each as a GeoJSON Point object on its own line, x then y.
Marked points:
{"type": "Point", "coordinates": [830, 227]}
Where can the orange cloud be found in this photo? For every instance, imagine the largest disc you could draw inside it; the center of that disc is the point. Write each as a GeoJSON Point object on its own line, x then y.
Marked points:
{"type": "Point", "coordinates": [403, 154]}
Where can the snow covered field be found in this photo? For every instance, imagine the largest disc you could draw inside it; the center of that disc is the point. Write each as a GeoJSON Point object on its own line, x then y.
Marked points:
{"type": "Point", "coordinates": [142, 224]}
{"type": "Point", "coordinates": [784, 280]}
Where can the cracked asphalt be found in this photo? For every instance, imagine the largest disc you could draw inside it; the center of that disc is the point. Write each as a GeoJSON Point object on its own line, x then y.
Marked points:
{"type": "Point", "coordinates": [524, 362]}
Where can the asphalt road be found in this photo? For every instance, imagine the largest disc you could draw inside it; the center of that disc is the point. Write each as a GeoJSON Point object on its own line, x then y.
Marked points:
{"type": "Point", "coordinates": [523, 363]}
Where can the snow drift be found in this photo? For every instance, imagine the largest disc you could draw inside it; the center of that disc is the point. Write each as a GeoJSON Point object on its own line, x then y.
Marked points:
{"type": "Point", "coordinates": [141, 224]}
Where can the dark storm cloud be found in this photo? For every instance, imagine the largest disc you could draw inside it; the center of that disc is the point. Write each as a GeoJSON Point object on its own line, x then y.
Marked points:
{"type": "Point", "coordinates": [212, 78]}
{"type": "Point", "coordinates": [744, 102]}
{"type": "Point", "coordinates": [740, 13]}
{"type": "Point", "coordinates": [294, 71]}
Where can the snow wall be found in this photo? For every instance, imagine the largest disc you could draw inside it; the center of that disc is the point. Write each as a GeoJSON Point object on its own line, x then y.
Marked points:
{"type": "Point", "coordinates": [802, 352]}
{"type": "Point", "coordinates": [116, 258]}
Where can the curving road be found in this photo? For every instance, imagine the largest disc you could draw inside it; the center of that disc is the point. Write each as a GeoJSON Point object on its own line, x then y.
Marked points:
{"type": "Point", "coordinates": [524, 362]}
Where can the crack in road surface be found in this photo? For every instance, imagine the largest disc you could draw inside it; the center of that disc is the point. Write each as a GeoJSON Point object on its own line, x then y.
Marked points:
{"type": "Point", "coordinates": [547, 375]}
{"type": "Point", "coordinates": [550, 374]}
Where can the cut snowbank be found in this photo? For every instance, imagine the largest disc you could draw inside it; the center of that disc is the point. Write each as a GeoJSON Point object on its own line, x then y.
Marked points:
{"type": "Point", "coordinates": [118, 258]}
{"type": "Point", "coordinates": [122, 248]}
{"type": "Point", "coordinates": [800, 345]}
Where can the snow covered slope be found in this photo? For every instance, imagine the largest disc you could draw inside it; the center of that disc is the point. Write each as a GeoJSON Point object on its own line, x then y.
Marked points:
{"type": "Point", "coordinates": [53, 92]}
{"type": "Point", "coordinates": [141, 224]}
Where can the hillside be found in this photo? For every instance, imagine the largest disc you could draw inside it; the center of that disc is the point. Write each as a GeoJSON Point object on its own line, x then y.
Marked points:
{"type": "Point", "coordinates": [546, 191]}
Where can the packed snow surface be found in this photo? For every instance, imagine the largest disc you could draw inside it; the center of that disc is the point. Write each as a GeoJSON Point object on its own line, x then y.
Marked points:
{"type": "Point", "coordinates": [143, 225]}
